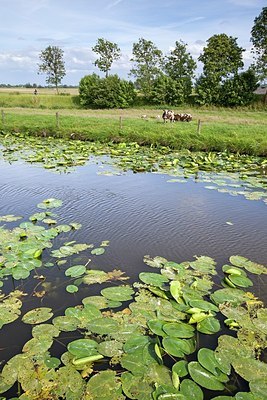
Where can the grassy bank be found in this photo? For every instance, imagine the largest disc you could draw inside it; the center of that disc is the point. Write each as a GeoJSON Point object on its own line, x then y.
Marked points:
{"type": "Point", "coordinates": [239, 130]}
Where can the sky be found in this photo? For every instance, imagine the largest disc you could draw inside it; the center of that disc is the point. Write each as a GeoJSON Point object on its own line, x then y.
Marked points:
{"type": "Point", "coordinates": [29, 26]}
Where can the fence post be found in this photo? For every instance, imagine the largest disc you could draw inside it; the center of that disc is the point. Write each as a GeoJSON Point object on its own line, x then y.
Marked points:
{"type": "Point", "coordinates": [3, 116]}
{"type": "Point", "coordinates": [57, 119]}
{"type": "Point", "coordinates": [198, 127]}
{"type": "Point", "coordinates": [120, 122]}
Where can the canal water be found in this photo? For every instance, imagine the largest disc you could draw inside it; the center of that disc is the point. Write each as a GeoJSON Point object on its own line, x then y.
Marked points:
{"type": "Point", "coordinates": [139, 214]}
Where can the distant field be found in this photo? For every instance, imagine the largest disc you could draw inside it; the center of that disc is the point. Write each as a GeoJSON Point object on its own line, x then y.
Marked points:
{"type": "Point", "coordinates": [16, 90]}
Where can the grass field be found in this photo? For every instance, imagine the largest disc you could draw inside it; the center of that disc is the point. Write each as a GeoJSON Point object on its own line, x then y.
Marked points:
{"type": "Point", "coordinates": [235, 130]}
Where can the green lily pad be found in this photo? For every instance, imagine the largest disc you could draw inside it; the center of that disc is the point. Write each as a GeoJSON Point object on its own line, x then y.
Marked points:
{"type": "Point", "coordinates": [105, 385]}
{"type": "Point", "coordinates": [206, 357]}
{"type": "Point", "coordinates": [250, 266]}
{"type": "Point", "coordinates": [118, 293]}
{"type": "Point", "coordinates": [72, 288]}
{"type": "Point", "coordinates": [229, 295]}
{"type": "Point", "coordinates": [50, 203]}
{"type": "Point", "coordinates": [176, 347]}
{"type": "Point", "coordinates": [191, 390]}
{"type": "Point", "coordinates": [151, 278]}
{"type": "Point", "coordinates": [98, 251]}
{"type": "Point", "coordinates": [156, 326]}
{"type": "Point", "coordinates": [240, 280]}
{"type": "Point", "coordinates": [37, 315]}
{"type": "Point", "coordinates": [203, 377]}
{"type": "Point", "coordinates": [66, 323]}
{"type": "Point", "coordinates": [75, 271]}
{"type": "Point", "coordinates": [179, 330]}
{"type": "Point", "coordinates": [83, 348]}
{"type": "Point", "coordinates": [103, 326]}
{"type": "Point", "coordinates": [180, 368]}
{"type": "Point", "coordinates": [209, 326]}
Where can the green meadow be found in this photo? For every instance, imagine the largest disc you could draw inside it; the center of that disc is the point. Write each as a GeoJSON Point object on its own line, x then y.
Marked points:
{"type": "Point", "coordinates": [241, 131]}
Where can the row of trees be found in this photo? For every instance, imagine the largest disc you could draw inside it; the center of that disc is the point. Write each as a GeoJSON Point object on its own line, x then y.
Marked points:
{"type": "Point", "coordinates": [168, 79]}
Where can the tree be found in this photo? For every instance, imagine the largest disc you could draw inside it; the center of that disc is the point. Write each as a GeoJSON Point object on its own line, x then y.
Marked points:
{"type": "Point", "coordinates": [167, 91]}
{"type": "Point", "coordinates": [53, 65]}
{"type": "Point", "coordinates": [259, 41]}
{"type": "Point", "coordinates": [222, 58]}
{"type": "Point", "coordinates": [110, 92]}
{"type": "Point", "coordinates": [148, 61]}
{"type": "Point", "coordinates": [180, 66]}
{"type": "Point", "coordinates": [239, 90]}
{"type": "Point", "coordinates": [108, 52]}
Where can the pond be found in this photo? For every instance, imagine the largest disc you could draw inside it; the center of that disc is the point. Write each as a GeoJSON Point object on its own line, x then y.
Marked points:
{"type": "Point", "coordinates": [129, 215]}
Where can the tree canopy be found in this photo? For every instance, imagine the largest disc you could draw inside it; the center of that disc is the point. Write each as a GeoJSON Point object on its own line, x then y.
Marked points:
{"type": "Point", "coordinates": [259, 41]}
{"type": "Point", "coordinates": [147, 60]}
{"type": "Point", "coordinates": [108, 53]}
{"type": "Point", "coordinates": [53, 65]}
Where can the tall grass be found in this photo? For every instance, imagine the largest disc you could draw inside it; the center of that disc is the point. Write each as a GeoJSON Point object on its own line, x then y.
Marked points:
{"type": "Point", "coordinates": [40, 101]}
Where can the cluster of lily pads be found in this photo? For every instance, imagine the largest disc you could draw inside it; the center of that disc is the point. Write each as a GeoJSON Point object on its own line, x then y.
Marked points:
{"type": "Point", "coordinates": [147, 349]}
{"type": "Point", "coordinates": [228, 173]}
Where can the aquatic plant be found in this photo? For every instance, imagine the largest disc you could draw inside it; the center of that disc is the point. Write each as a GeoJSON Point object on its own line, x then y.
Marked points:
{"type": "Point", "coordinates": [150, 348]}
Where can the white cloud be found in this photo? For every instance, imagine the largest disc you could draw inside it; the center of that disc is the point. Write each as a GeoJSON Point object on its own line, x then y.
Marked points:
{"type": "Point", "coordinates": [113, 4]}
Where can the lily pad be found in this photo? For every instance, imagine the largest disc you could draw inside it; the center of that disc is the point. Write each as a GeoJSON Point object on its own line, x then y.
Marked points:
{"type": "Point", "coordinates": [37, 315]}
{"type": "Point", "coordinates": [50, 203]}
{"type": "Point", "coordinates": [83, 348]}
{"type": "Point", "coordinates": [151, 278]}
{"type": "Point", "coordinates": [179, 330]}
{"type": "Point", "coordinates": [203, 377]}
{"type": "Point", "coordinates": [75, 271]}
{"type": "Point", "coordinates": [98, 251]}
{"type": "Point", "coordinates": [250, 266]}
{"type": "Point", "coordinates": [72, 288]}
{"type": "Point", "coordinates": [118, 293]}
{"type": "Point", "coordinates": [191, 390]}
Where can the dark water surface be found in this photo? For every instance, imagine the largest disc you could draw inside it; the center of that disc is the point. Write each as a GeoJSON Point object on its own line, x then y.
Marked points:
{"type": "Point", "coordinates": [139, 214]}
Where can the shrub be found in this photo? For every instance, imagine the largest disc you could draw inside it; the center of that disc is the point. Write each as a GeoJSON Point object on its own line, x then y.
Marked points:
{"type": "Point", "coordinates": [110, 92]}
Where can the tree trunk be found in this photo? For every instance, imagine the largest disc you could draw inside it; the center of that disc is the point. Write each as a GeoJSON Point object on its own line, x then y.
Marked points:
{"type": "Point", "coordinates": [265, 97]}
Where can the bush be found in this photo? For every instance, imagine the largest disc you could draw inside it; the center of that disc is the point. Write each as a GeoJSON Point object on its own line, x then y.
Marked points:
{"type": "Point", "coordinates": [110, 92]}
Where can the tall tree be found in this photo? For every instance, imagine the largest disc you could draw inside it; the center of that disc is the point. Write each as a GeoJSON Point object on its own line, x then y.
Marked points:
{"type": "Point", "coordinates": [53, 65]}
{"type": "Point", "coordinates": [222, 58]}
{"type": "Point", "coordinates": [259, 41]}
{"type": "Point", "coordinates": [108, 52]}
{"type": "Point", "coordinates": [180, 66]}
{"type": "Point", "coordinates": [147, 60]}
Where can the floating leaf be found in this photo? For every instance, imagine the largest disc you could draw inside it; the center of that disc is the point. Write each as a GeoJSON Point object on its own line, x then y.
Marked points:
{"type": "Point", "coordinates": [156, 326]}
{"type": "Point", "coordinates": [103, 326]}
{"type": "Point", "coordinates": [179, 330]}
{"type": "Point", "coordinates": [181, 368]}
{"type": "Point", "coordinates": [37, 315]}
{"type": "Point", "coordinates": [191, 390]}
{"type": "Point", "coordinates": [176, 347]}
{"type": "Point", "coordinates": [66, 323]}
{"type": "Point", "coordinates": [151, 278]}
{"type": "Point", "coordinates": [75, 271]}
{"type": "Point", "coordinates": [118, 293]}
{"type": "Point", "coordinates": [83, 348]}
{"type": "Point", "coordinates": [98, 251]}
{"type": "Point", "coordinates": [240, 281]}
{"type": "Point", "coordinates": [250, 266]}
{"type": "Point", "coordinates": [50, 203]}
{"type": "Point", "coordinates": [72, 288]}
{"type": "Point", "coordinates": [209, 326]}
{"type": "Point", "coordinates": [229, 295]}
{"type": "Point", "coordinates": [206, 358]}
{"type": "Point", "coordinates": [203, 377]}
